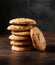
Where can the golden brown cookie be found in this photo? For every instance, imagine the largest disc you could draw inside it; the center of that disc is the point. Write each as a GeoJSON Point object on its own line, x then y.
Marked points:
{"type": "Point", "coordinates": [19, 28]}
{"type": "Point", "coordinates": [24, 42]}
{"type": "Point", "coordinates": [38, 39]}
{"type": "Point", "coordinates": [22, 21]}
{"type": "Point", "coordinates": [14, 37]}
{"type": "Point", "coordinates": [17, 48]}
{"type": "Point", "coordinates": [20, 33]}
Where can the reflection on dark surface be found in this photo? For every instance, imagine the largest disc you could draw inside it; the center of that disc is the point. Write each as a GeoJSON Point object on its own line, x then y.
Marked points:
{"type": "Point", "coordinates": [25, 58]}
{"type": "Point", "coordinates": [28, 58]}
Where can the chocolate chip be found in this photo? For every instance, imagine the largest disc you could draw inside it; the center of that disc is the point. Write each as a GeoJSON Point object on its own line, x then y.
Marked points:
{"type": "Point", "coordinates": [38, 35]}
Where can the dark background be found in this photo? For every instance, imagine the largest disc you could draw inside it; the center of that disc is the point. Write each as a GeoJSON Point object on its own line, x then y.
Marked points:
{"type": "Point", "coordinates": [43, 11]}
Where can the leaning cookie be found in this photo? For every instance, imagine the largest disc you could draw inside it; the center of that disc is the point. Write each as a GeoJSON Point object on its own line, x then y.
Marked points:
{"type": "Point", "coordinates": [22, 42]}
{"type": "Point", "coordinates": [38, 39]}
{"type": "Point", "coordinates": [19, 28]}
{"type": "Point", "coordinates": [22, 21]}
{"type": "Point", "coordinates": [25, 33]}
{"type": "Point", "coordinates": [14, 37]}
{"type": "Point", "coordinates": [17, 48]}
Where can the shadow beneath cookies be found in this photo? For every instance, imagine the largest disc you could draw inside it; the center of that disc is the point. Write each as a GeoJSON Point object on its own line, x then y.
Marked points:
{"type": "Point", "coordinates": [50, 48]}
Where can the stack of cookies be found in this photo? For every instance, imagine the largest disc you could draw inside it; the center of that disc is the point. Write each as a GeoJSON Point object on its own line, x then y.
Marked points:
{"type": "Point", "coordinates": [20, 34]}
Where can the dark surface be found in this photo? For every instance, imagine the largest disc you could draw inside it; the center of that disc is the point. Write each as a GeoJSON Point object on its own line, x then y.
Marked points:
{"type": "Point", "coordinates": [9, 57]}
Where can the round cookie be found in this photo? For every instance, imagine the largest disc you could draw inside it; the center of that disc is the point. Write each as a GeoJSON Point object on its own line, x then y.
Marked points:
{"type": "Point", "coordinates": [19, 28]}
{"type": "Point", "coordinates": [20, 33]}
{"type": "Point", "coordinates": [22, 21]}
{"type": "Point", "coordinates": [38, 39]}
{"type": "Point", "coordinates": [24, 42]}
{"type": "Point", "coordinates": [14, 37]}
{"type": "Point", "coordinates": [16, 48]}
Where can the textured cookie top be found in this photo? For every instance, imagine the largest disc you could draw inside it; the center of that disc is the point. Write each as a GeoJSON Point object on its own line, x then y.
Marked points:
{"type": "Point", "coordinates": [15, 38]}
{"type": "Point", "coordinates": [38, 39]}
{"type": "Point", "coordinates": [22, 21]}
{"type": "Point", "coordinates": [25, 33]}
{"type": "Point", "coordinates": [19, 28]}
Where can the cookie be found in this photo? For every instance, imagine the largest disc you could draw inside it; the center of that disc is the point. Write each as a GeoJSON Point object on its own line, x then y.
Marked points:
{"type": "Point", "coordinates": [25, 33]}
{"type": "Point", "coordinates": [38, 39]}
{"type": "Point", "coordinates": [14, 37]}
{"type": "Point", "coordinates": [22, 21]}
{"type": "Point", "coordinates": [24, 42]}
{"type": "Point", "coordinates": [16, 48]}
{"type": "Point", "coordinates": [19, 28]}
